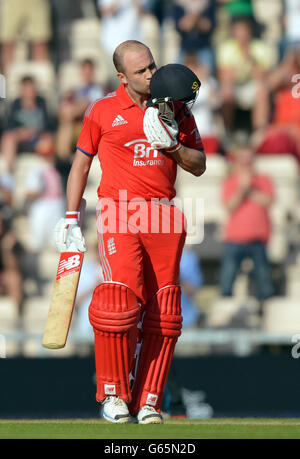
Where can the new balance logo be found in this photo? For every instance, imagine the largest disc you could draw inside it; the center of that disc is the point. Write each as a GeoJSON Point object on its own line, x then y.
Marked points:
{"type": "Point", "coordinates": [68, 264]}
{"type": "Point", "coordinates": [109, 389]}
{"type": "Point", "coordinates": [119, 120]}
{"type": "Point", "coordinates": [151, 399]}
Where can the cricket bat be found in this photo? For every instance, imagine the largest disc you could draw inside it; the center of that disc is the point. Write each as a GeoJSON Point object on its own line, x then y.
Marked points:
{"type": "Point", "coordinates": [64, 295]}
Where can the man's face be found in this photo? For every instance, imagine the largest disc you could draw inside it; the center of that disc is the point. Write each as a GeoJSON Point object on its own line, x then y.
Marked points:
{"type": "Point", "coordinates": [139, 67]}
{"type": "Point", "coordinates": [28, 90]}
{"type": "Point", "coordinates": [241, 32]}
{"type": "Point", "coordinates": [87, 73]}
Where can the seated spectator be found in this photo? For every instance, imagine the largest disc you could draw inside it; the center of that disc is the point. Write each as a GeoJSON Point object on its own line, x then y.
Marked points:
{"type": "Point", "coordinates": [283, 134]}
{"type": "Point", "coordinates": [207, 102]}
{"type": "Point", "coordinates": [11, 282]}
{"type": "Point", "coordinates": [6, 189]}
{"type": "Point", "coordinates": [247, 197]}
{"type": "Point", "coordinates": [35, 16]}
{"type": "Point", "coordinates": [45, 199]}
{"type": "Point", "coordinates": [120, 21]}
{"type": "Point", "coordinates": [28, 123]}
{"type": "Point", "coordinates": [191, 279]}
{"type": "Point", "coordinates": [242, 65]}
{"type": "Point", "coordinates": [72, 108]}
{"type": "Point", "coordinates": [195, 21]}
{"type": "Point", "coordinates": [291, 26]}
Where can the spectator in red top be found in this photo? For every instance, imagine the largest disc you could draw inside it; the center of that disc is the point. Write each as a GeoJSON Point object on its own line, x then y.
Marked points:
{"type": "Point", "coordinates": [247, 197]}
{"type": "Point", "coordinates": [283, 135]}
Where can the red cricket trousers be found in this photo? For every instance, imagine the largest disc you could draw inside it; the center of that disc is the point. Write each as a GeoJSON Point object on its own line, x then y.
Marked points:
{"type": "Point", "coordinates": [140, 246]}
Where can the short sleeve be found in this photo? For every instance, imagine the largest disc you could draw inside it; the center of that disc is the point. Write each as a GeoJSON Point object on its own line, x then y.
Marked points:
{"type": "Point", "coordinates": [226, 54]}
{"type": "Point", "coordinates": [264, 54]}
{"type": "Point", "coordinates": [90, 134]}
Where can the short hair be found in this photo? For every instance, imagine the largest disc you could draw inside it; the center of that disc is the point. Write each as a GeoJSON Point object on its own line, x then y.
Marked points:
{"type": "Point", "coordinates": [87, 61]}
{"type": "Point", "coordinates": [122, 48]}
{"type": "Point", "coordinates": [246, 20]}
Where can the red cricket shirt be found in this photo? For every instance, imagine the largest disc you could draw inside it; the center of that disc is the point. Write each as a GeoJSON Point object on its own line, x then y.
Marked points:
{"type": "Point", "coordinates": [250, 221]}
{"type": "Point", "coordinates": [113, 129]}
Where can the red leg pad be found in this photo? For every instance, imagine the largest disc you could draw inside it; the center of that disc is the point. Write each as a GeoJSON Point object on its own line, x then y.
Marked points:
{"type": "Point", "coordinates": [114, 314]}
{"type": "Point", "coordinates": [161, 328]}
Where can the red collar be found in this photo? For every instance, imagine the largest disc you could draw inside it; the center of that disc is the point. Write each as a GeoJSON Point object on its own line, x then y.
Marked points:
{"type": "Point", "coordinates": [124, 97]}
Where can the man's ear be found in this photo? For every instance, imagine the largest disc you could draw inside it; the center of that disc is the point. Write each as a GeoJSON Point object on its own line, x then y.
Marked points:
{"type": "Point", "coordinates": [122, 77]}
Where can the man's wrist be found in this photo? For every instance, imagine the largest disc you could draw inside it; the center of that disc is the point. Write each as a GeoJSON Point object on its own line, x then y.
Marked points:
{"type": "Point", "coordinates": [174, 148]}
{"type": "Point", "coordinates": [72, 217]}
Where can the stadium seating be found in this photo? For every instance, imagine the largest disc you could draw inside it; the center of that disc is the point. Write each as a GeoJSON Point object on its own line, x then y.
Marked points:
{"type": "Point", "coordinates": [225, 310]}
{"type": "Point", "coordinates": [24, 164]}
{"type": "Point", "coordinates": [8, 314]}
{"type": "Point", "coordinates": [206, 187]}
{"type": "Point", "coordinates": [282, 315]}
{"type": "Point", "coordinates": [85, 35]}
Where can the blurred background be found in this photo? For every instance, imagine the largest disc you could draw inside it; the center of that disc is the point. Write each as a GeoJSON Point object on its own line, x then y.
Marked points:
{"type": "Point", "coordinates": [237, 355]}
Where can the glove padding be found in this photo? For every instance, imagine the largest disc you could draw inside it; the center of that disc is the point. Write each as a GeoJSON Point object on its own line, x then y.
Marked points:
{"type": "Point", "coordinates": [68, 236]}
{"type": "Point", "coordinates": [160, 135]}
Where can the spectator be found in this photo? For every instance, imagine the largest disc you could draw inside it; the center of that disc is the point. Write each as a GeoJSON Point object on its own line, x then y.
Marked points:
{"type": "Point", "coordinates": [73, 106]}
{"type": "Point", "coordinates": [195, 21]}
{"type": "Point", "coordinates": [6, 189]}
{"type": "Point", "coordinates": [35, 16]}
{"type": "Point", "coordinates": [243, 64]}
{"type": "Point", "coordinates": [45, 196]}
{"type": "Point", "coordinates": [191, 279]}
{"type": "Point", "coordinates": [291, 25]}
{"type": "Point", "coordinates": [161, 9]}
{"type": "Point", "coordinates": [283, 135]}
{"type": "Point", "coordinates": [120, 21]}
{"type": "Point", "coordinates": [28, 123]}
{"type": "Point", "coordinates": [11, 282]}
{"type": "Point", "coordinates": [207, 102]}
{"type": "Point", "coordinates": [247, 197]}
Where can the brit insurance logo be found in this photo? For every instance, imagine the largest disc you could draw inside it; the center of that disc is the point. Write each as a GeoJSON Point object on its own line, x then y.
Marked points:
{"type": "Point", "coordinates": [145, 155]}
{"type": "Point", "coordinates": [2, 87]}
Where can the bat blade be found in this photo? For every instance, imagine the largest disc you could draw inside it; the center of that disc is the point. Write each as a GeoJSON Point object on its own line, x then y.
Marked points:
{"type": "Point", "coordinates": [62, 301]}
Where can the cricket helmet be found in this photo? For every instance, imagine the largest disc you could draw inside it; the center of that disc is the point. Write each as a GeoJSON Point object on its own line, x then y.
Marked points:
{"type": "Point", "coordinates": [172, 83]}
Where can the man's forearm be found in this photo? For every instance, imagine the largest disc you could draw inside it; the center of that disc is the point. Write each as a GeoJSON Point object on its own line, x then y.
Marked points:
{"type": "Point", "coordinates": [191, 160]}
{"type": "Point", "coordinates": [75, 189]}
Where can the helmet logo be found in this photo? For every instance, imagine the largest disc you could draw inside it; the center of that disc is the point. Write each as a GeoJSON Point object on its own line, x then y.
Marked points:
{"type": "Point", "coordinates": [195, 86]}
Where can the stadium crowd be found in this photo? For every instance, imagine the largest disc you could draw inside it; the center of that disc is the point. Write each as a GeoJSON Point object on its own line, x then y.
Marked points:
{"type": "Point", "coordinates": [56, 57]}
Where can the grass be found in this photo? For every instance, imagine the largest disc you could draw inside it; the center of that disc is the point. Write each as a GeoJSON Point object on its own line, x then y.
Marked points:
{"type": "Point", "coordinates": [245, 428]}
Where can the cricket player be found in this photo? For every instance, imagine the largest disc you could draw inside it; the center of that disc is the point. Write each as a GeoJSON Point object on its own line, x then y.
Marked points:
{"type": "Point", "coordinates": [135, 312]}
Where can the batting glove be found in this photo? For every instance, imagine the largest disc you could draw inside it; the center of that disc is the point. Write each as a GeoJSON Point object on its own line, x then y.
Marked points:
{"type": "Point", "coordinates": [68, 235]}
{"type": "Point", "coordinates": [161, 135]}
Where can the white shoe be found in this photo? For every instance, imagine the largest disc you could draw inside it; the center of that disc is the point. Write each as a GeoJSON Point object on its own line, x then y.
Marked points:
{"type": "Point", "coordinates": [114, 409]}
{"type": "Point", "coordinates": [149, 415]}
